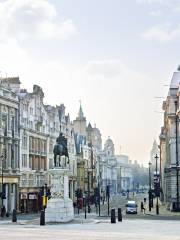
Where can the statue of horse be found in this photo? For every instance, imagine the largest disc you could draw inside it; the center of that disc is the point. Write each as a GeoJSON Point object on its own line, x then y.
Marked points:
{"type": "Point", "coordinates": [60, 149]}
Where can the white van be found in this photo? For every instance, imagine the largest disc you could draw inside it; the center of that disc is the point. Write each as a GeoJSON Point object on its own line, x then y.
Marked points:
{"type": "Point", "coordinates": [131, 207]}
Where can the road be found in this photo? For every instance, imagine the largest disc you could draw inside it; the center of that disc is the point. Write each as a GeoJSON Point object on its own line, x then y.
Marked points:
{"type": "Point", "coordinates": [132, 227]}
{"type": "Point", "coordinates": [97, 230]}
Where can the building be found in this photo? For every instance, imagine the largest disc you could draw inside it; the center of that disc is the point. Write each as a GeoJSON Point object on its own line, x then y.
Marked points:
{"type": "Point", "coordinates": [9, 145]}
{"type": "Point", "coordinates": [88, 145]}
{"type": "Point", "coordinates": [125, 179]}
{"type": "Point", "coordinates": [35, 147]}
{"type": "Point", "coordinates": [169, 145]}
{"type": "Point", "coordinates": [154, 151]}
{"type": "Point", "coordinates": [67, 128]}
{"type": "Point", "coordinates": [109, 167]}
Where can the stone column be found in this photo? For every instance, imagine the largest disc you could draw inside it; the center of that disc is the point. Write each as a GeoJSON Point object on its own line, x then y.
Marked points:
{"type": "Point", "coordinates": [16, 124]}
{"type": "Point", "coordinates": [9, 120]}
{"type": "Point", "coordinates": [1, 131]}
{"type": "Point", "coordinates": [9, 155]}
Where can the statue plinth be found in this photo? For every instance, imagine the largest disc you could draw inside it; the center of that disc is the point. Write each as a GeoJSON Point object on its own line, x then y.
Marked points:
{"type": "Point", "coordinates": [60, 206]}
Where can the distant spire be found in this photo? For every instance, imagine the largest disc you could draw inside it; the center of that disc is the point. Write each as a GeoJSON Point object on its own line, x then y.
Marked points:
{"type": "Point", "coordinates": [80, 114]}
{"type": "Point", "coordinates": [89, 126]}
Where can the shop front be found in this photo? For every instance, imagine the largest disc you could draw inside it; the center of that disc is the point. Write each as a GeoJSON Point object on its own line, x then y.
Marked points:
{"type": "Point", "coordinates": [30, 202]}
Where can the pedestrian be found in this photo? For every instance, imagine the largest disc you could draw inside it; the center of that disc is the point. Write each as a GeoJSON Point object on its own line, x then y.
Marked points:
{"type": "Point", "coordinates": [142, 206]}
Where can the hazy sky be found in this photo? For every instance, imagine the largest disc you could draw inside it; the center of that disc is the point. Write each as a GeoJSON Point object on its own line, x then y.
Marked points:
{"type": "Point", "coordinates": [114, 55]}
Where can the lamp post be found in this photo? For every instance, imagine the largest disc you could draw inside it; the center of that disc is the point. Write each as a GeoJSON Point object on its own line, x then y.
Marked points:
{"type": "Point", "coordinates": [3, 158]}
{"type": "Point", "coordinates": [157, 188]}
{"type": "Point", "coordinates": [99, 193]}
{"type": "Point", "coordinates": [88, 172]}
{"type": "Point", "coordinates": [150, 186]}
{"type": "Point", "coordinates": [108, 195]}
{"type": "Point", "coordinates": [2, 178]}
{"type": "Point", "coordinates": [177, 161]}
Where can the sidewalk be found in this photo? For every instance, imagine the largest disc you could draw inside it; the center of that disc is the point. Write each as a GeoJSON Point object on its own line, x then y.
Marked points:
{"type": "Point", "coordinates": [162, 210]}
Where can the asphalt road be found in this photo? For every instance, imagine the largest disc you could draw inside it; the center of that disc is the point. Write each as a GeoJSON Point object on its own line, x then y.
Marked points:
{"type": "Point", "coordinates": [97, 230]}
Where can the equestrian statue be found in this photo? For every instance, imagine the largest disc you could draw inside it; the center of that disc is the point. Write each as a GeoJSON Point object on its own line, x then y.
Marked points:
{"type": "Point", "coordinates": [60, 149]}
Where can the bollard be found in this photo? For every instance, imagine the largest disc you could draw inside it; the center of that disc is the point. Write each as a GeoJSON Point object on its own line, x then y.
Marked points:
{"type": "Point", "coordinates": [113, 216]}
{"type": "Point", "coordinates": [14, 216]}
{"type": "Point", "coordinates": [42, 218]}
{"type": "Point", "coordinates": [85, 212]}
{"type": "Point", "coordinates": [89, 209]}
{"type": "Point", "coordinates": [119, 215]}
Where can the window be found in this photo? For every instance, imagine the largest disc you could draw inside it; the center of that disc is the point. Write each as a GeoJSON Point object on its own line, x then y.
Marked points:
{"type": "Point", "coordinates": [30, 162]}
{"type": "Point", "coordinates": [24, 160]}
{"type": "Point", "coordinates": [31, 110]}
{"type": "Point", "coordinates": [4, 123]}
{"type": "Point", "coordinates": [24, 141]}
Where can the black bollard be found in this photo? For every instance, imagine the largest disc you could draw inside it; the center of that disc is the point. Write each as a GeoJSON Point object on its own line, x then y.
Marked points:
{"type": "Point", "coordinates": [14, 216]}
{"type": "Point", "coordinates": [113, 215]}
{"type": "Point", "coordinates": [157, 209]}
{"type": "Point", "coordinates": [119, 215]}
{"type": "Point", "coordinates": [42, 218]}
{"type": "Point", "coordinates": [85, 212]}
{"type": "Point", "coordinates": [3, 211]}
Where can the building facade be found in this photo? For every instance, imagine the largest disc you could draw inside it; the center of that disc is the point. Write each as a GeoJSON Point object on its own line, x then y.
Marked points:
{"type": "Point", "coordinates": [170, 145]}
{"type": "Point", "coordinates": [109, 167]}
{"type": "Point", "coordinates": [9, 145]}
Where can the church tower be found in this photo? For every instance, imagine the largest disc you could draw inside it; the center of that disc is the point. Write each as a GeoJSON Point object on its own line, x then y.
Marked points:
{"type": "Point", "coordinates": [154, 151]}
{"type": "Point", "coordinates": [80, 123]}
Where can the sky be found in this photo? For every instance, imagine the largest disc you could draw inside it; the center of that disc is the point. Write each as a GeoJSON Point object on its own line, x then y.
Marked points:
{"type": "Point", "coordinates": [115, 56]}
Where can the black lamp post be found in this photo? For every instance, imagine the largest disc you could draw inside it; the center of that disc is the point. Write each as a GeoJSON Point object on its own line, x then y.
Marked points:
{"type": "Point", "coordinates": [150, 194]}
{"type": "Point", "coordinates": [157, 187]}
{"type": "Point", "coordinates": [88, 172]}
{"type": "Point", "coordinates": [108, 196]}
{"type": "Point", "coordinates": [177, 161]}
{"type": "Point", "coordinates": [99, 193]}
{"type": "Point", "coordinates": [3, 158]}
{"type": "Point", "coordinates": [2, 179]}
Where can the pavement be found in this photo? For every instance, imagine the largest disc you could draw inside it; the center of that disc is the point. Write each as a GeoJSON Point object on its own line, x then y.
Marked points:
{"type": "Point", "coordinates": [115, 202]}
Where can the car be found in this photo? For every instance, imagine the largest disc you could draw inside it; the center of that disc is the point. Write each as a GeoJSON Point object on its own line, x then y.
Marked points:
{"type": "Point", "coordinates": [131, 207]}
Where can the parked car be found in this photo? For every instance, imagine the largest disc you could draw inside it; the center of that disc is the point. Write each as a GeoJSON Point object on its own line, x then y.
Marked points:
{"type": "Point", "coordinates": [131, 207]}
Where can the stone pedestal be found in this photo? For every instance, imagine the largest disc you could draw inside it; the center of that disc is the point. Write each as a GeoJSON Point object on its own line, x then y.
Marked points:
{"type": "Point", "coordinates": [60, 206]}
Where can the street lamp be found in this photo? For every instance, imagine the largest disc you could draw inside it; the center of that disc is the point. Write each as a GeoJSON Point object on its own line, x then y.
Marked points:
{"type": "Point", "coordinates": [3, 158]}
{"type": "Point", "coordinates": [177, 161]}
{"type": "Point", "coordinates": [99, 192]}
{"type": "Point", "coordinates": [88, 172]}
{"type": "Point", "coordinates": [157, 187]}
{"type": "Point", "coordinates": [150, 186]}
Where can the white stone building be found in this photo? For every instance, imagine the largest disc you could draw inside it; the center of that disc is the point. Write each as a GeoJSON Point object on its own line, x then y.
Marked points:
{"type": "Point", "coordinates": [170, 144]}
{"type": "Point", "coordinates": [9, 143]}
{"type": "Point", "coordinates": [125, 177]}
{"type": "Point", "coordinates": [37, 134]}
{"type": "Point", "coordinates": [109, 166]}
{"type": "Point", "coordinates": [154, 151]}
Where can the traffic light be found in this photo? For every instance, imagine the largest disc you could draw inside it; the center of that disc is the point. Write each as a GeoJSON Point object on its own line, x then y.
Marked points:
{"type": "Point", "coordinates": [107, 191]}
{"type": "Point", "coordinates": [48, 193]}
